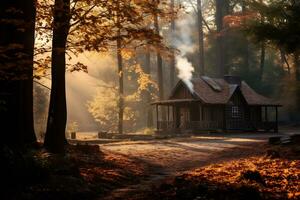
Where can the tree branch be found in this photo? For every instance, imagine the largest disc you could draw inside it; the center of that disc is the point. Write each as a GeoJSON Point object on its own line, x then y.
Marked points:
{"type": "Point", "coordinates": [204, 21]}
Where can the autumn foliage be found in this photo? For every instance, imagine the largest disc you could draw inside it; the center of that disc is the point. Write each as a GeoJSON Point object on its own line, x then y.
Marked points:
{"type": "Point", "coordinates": [257, 177]}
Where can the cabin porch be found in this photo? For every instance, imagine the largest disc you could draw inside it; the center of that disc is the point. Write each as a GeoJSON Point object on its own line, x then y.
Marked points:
{"type": "Point", "coordinates": [190, 115]}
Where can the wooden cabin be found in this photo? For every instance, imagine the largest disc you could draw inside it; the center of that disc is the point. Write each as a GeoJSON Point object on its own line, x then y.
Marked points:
{"type": "Point", "coordinates": [216, 104]}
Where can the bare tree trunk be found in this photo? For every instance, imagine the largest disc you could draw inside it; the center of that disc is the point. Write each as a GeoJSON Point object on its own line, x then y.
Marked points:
{"type": "Point", "coordinates": [246, 55]}
{"type": "Point", "coordinates": [262, 61]}
{"type": "Point", "coordinates": [160, 71]}
{"type": "Point", "coordinates": [173, 62]}
{"type": "Point", "coordinates": [120, 73]}
{"type": "Point", "coordinates": [121, 84]}
{"type": "Point", "coordinates": [220, 37]}
{"type": "Point", "coordinates": [148, 92]}
{"type": "Point", "coordinates": [57, 117]}
{"type": "Point", "coordinates": [200, 38]}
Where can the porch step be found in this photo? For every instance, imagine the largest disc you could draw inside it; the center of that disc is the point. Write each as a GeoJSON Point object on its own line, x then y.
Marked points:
{"type": "Point", "coordinates": [285, 140]}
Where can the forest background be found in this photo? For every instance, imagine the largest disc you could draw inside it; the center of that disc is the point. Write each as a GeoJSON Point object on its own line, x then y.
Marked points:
{"type": "Point", "coordinates": [212, 36]}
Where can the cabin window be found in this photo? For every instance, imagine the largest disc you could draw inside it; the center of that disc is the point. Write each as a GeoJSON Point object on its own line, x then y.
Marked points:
{"type": "Point", "coordinates": [235, 112]}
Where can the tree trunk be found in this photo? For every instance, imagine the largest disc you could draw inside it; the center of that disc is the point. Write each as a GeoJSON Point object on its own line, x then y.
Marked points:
{"type": "Point", "coordinates": [220, 37]}
{"type": "Point", "coordinates": [284, 61]}
{"type": "Point", "coordinates": [27, 88]}
{"type": "Point", "coordinates": [120, 73]}
{"type": "Point", "coordinates": [121, 85]}
{"type": "Point", "coordinates": [200, 38]}
{"type": "Point", "coordinates": [57, 116]}
{"type": "Point", "coordinates": [147, 70]}
{"type": "Point", "coordinates": [160, 71]}
{"type": "Point", "coordinates": [297, 65]}
{"type": "Point", "coordinates": [262, 55]}
{"type": "Point", "coordinates": [262, 61]}
{"type": "Point", "coordinates": [173, 62]}
{"type": "Point", "coordinates": [296, 110]}
{"type": "Point", "coordinates": [16, 109]}
{"type": "Point", "coordinates": [247, 45]}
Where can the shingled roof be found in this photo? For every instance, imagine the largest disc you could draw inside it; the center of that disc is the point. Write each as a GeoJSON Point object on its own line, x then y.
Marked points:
{"type": "Point", "coordinates": [206, 90]}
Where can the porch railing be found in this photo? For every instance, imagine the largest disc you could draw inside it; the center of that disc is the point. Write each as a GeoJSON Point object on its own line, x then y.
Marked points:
{"type": "Point", "coordinates": [213, 125]}
{"type": "Point", "coordinates": [196, 125]}
{"type": "Point", "coordinates": [163, 125]}
{"type": "Point", "coordinates": [205, 125]}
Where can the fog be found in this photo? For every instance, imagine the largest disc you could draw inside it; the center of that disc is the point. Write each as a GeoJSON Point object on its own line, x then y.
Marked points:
{"type": "Point", "coordinates": [81, 87]}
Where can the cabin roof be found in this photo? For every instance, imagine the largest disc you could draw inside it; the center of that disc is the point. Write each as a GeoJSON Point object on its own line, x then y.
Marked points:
{"type": "Point", "coordinates": [219, 91]}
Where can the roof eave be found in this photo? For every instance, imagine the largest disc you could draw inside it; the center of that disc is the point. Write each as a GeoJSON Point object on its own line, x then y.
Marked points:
{"type": "Point", "coordinates": [171, 102]}
{"type": "Point", "coordinates": [267, 105]}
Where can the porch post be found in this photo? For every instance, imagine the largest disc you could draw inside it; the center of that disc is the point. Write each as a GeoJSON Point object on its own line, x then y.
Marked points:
{"type": "Point", "coordinates": [157, 127]}
{"type": "Point", "coordinates": [266, 114]}
{"type": "Point", "coordinates": [200, 113]}
{"type": "Point", "coordinates": [276, 125]}
{"type": "Point", "coordinates": [224, 120]}
{"type": "Point", "coordinates": [173, 111]}
{"type": "Point", "coordinates": [168, 118]}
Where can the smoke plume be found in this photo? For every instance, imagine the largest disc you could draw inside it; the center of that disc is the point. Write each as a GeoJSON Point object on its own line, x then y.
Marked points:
{"type": "Point", "coordinates": [184, 43]}
{"type": "Point", "coordinates": [185, 71]}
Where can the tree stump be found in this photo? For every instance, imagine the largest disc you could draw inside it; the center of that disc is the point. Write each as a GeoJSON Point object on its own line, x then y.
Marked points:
{"type": "Point", "coordinates": [73, 135]}
{"type": "Point", "coordinates": [102, 134]}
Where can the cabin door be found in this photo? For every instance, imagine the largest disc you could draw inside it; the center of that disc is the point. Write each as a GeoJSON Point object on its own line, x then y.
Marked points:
{"type": "Point", "coordinates": [184, 117]}
{"type": "Point", "coordinates": [194, 112]}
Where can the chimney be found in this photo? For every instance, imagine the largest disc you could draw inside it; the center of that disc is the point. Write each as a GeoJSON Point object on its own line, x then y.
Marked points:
{"type": "Point", "coordinates": [234, 80]}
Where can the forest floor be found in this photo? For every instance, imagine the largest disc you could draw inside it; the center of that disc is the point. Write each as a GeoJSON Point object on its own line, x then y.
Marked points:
{"type": "Point", "coordinates": [173, 168]}
{"type": "Point", "coordinates": [175, 157]}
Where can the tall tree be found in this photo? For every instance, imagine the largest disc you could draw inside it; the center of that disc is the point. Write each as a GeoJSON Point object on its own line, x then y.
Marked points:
{"type": "Point", "coordinates": [262, 60]}
{"type": "Point", "coordinates": [280, 24]}
{"type": "Point", "coordinates": [93, 28]}
{"type": "Point", "coordinates": [296, 56]}
{"type": "Point", "coordinates": [173, 61]}
{"type": "Point", "coordinates": [147, 70]}
{"type": "Point", "coordinates": [120, 72]}
{"type": "Point", "coordinates": [27, 89]}
{"type": "Point", "coordinates": [159, 67]}
{"type": "Point", "coordinates": [219, 41]}
{"type": "Point", "coordinates": [262, 54]}
{"type": "Point", "coordinates": [280, 27]}
{"type": "Point", "coordinates": [17, 41]}
{"type": "Point", "coordinates": [222, 7]}
{"type": "Point", "coordinates": [201, 66]}
{"type": "Point", "coordinates": [247, 44]}
{"type": "Point", "coordinates": [57, 116]}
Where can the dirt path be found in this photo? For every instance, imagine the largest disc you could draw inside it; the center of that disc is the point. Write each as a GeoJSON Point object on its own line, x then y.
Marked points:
{"type": "Point", "coordinates": [169, 157]}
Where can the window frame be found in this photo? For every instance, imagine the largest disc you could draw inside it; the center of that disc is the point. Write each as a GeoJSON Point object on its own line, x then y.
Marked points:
{"type": "Point", "coordinates": [235, 112]}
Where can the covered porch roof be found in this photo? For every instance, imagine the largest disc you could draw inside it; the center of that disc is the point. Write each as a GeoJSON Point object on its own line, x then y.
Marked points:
{"type": "Point", "coordinates": [174, 101]}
